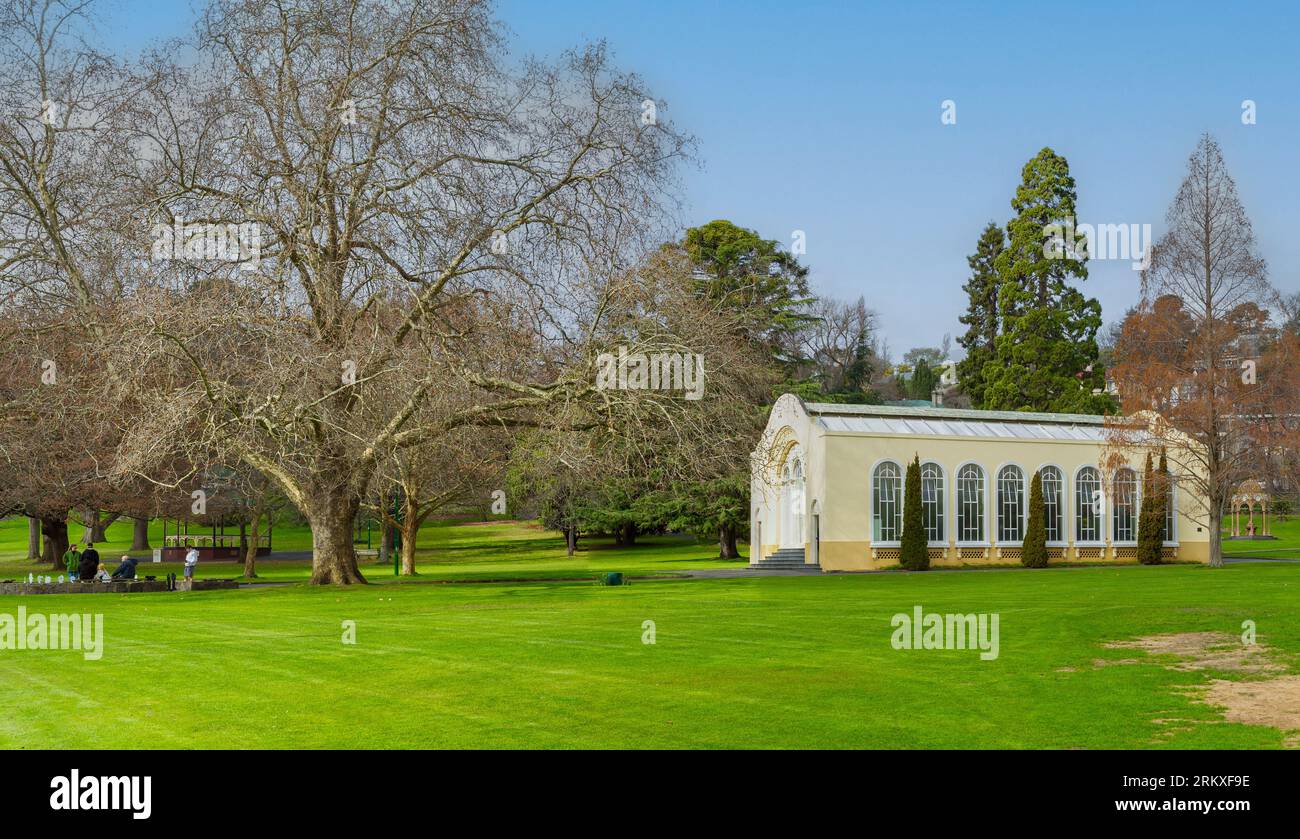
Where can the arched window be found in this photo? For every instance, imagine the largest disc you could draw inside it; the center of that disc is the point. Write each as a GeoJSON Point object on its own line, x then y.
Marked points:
{"type": "Point", "coordinates": [1087, 505]}
{"type": "Point", "coordinates": [932, 501]}
{"type": "Point", "coordinates": [970, 504]}
{"type": "Point", "coordinates": [792, 500]}
{"type": "Point", "coordinates": [1124, 508]}
{"type": "Point", "coordinates": [1011, 504]}
{"type": "Point", "coordinates": [1170, 536]}
{"type": "Point", "coordinates": [1053, 506]}
{"type": "Point", "coordinates": [887, 503]}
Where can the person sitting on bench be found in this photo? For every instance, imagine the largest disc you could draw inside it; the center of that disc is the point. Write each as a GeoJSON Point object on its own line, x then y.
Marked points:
{"type": "Point", "coordinates": [125, 571]}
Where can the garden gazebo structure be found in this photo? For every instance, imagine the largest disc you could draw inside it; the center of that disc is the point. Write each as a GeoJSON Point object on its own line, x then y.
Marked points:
{"type": "Point", "coordinates": [1249, 495]}
{"type": "Point", "coordinates": [212, 543]}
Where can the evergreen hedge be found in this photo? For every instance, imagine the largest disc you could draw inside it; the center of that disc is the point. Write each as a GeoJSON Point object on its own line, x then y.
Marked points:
{"type": "Point", "coordinates": [1033, 551]}
{"type": "Point", "coordinates": [915, 553]}
{"type": "Point", "coordinates": [1151, 518]}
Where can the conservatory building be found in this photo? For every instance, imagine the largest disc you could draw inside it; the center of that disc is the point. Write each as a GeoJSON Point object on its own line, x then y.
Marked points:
{"type": "Point", "coordinates": [827, 487]}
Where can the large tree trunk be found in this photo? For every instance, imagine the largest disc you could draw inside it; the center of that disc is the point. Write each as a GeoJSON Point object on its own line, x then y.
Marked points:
{"type": "Point", "coordinates": [55, 531]}
{"type": "Point", "coordinates": [140, 534]}
{"type": "Point", "coordinates": [629, 534]}
{"type": "Point", "coordinates": [250, 548]}
{"type": "Point", "coordinates": [102, 525]}
{"type": "Point", "coordinates": [91, 526]}
{"type": "Point", "coordinates": [387, 541]}
{"type": "Point", "coordinates": [410, 528]}
{"type": "Point", "coordinates": [333, 561]}
{"type": "Point", "coordinates": [571, 539]}
{"type": "Point", "coordinates": [727, 542]}
{"type": "Point", "coordinates": [33, 539]}
{"type": "Point", "coordinates": [408, 551]}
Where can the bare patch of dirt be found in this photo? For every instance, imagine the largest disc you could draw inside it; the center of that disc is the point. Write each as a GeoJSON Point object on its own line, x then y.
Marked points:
{"type": "Point", "coordinates": [1271, 702]}
{"type": "Point", "coordinates": [1107, 662]}
{"type": "Point", "coordinates": [1202, 651]}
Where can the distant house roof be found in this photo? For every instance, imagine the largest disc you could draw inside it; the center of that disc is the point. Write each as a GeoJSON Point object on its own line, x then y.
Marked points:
{"type": "Point", "coordinates": [955, 422]}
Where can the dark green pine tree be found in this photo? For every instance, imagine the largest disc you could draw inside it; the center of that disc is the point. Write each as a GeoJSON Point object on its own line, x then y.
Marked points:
{"type": "Point", "coordinates": [1151, 518]}
{"type": "Point", "coordinates": [981, 316]}
{"type": "Point", "coordinates": [915, 556]}
{"type": "Point", "coordinates": [762, 286]}
{"type": "Point", "coordinates": [923, 381]}
{"type": "Point", "coordinates": [1033, 551]}
{"type": "Point", "coordinates": [1046, 357]}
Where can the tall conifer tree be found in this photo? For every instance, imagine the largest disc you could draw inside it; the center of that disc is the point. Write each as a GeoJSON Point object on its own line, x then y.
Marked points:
{"type": "Point", "coordinates": [1046, 357]}
{"type": "Point", "coordinates": [915, 555]}
{"type": "Point", "coordinates": [1151, 518]}
{"type": "Point", "coordinates": [981, 316]}
{"type": "Point", "coordinates": [1033, 551]}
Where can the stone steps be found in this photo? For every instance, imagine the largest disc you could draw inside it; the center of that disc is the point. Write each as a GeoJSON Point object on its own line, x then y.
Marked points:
{"type": "Point", "coordinates": [785, 559]}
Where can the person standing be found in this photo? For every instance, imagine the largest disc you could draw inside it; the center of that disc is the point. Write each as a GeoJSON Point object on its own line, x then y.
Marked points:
{"type": "Point", "coordinates": [72, 562]}
{"type": "Point", "coordinates": [191, 560]}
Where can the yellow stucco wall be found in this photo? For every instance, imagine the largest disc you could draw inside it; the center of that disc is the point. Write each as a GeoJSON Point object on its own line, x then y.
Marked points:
{"type": "Point", "coordinates": [845, 519]}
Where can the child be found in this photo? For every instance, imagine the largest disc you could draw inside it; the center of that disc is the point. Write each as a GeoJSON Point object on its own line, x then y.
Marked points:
{"type": "Point", "coordinates": [102, 575]}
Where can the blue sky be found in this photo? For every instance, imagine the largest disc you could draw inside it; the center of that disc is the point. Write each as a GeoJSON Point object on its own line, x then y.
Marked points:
{"type": "Point", "coordinates": [825, 117]}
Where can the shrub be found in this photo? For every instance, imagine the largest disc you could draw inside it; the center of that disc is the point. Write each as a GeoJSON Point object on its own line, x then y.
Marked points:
{"type": "Point", "coordinates": [1033, 551]}
{"type": "Point", "coordinates": [915, 556]}
{"type": "Point", "coordinates": [1151, 517]}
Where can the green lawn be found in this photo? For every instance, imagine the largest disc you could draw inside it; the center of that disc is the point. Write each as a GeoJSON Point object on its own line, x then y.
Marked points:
{"type": "Point", "coordinates": [447, 550]}
{"type": "Point", "coordinates": [1287, 544]}
{"type": "Point", "coordinates": [791, 662]}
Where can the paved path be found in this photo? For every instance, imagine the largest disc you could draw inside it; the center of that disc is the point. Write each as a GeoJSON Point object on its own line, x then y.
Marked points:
{"type": "Point", "coordinates": [744, 571]}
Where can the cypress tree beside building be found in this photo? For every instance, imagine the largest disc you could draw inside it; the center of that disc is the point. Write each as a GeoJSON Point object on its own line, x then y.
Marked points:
{"type": "Point", "coordinates": [915, 554]}
{"type": "Point", "coordinates": [1033, 551]}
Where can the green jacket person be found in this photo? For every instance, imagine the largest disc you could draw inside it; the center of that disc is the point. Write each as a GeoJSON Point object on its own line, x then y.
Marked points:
{"type": "Point", "coordinates": [71, 560]}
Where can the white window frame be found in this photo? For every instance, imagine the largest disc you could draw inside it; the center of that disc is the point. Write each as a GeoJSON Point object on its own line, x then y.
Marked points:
{"type": "Point", "coordinates": [942, 541]}
{"type": "Point", "coordinates": [1023, 505]}
{"type": "Point", "coordinates": [1136, 512]}
{"type": "Point", "coordinates": [871, 503]}
{"type": "Point", "coordinates": [1100, 541]}
{"type": "Point", "coordinates": [1063, 505]}
{"type": "Point", "coordinates": [984, 510]}
{"type": "Point", "coordinates": [1171, 516]}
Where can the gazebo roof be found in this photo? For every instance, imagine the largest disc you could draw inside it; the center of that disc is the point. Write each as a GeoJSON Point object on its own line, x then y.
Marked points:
{"type": "Point", "coordinates": [1250, 490]}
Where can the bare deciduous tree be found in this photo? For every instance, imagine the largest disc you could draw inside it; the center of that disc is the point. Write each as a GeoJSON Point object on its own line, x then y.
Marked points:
{"type": "Point", "coordinates": [1198, 351]}
{"type": "Point", "coordinates": [395, 169]}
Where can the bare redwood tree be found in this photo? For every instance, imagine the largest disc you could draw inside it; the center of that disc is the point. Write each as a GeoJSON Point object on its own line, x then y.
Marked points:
{"type": "Point", "coordinates": [1199, 355]}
